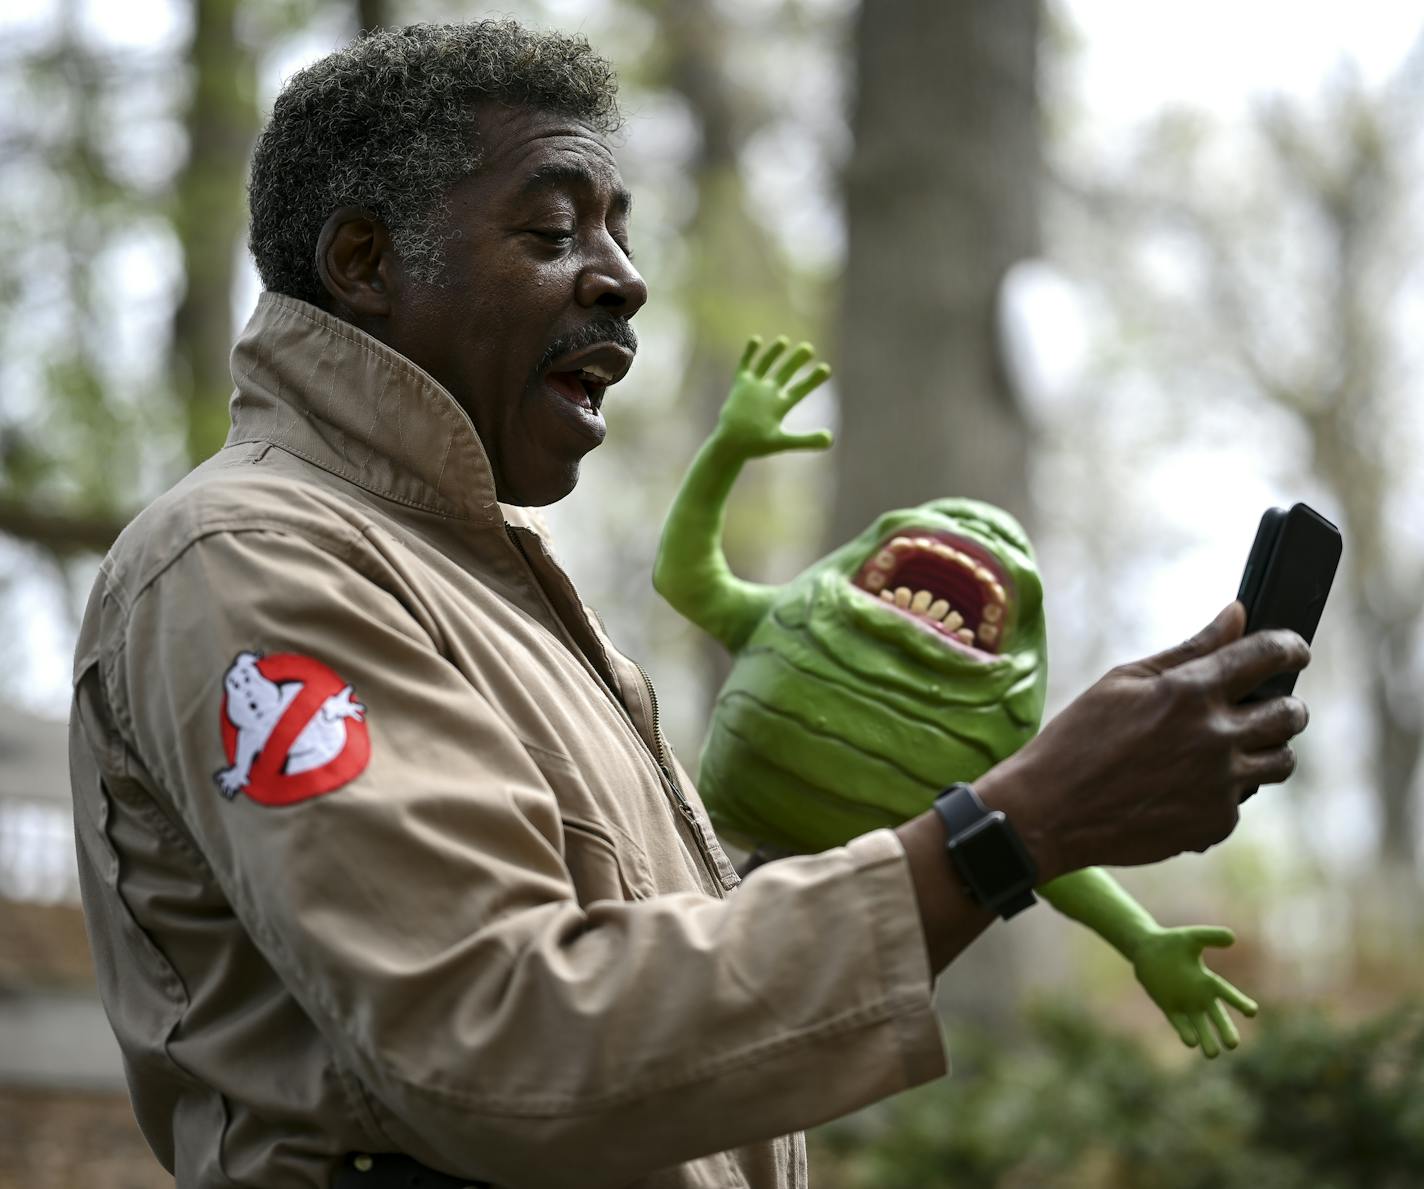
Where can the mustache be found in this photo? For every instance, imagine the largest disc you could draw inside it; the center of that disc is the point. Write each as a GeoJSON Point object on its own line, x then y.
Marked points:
{"type": "Point", "coordinates": [600, 330]}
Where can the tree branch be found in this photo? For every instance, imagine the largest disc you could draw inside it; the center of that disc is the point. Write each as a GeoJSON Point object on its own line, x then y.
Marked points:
{"type": "Point", "coordinates": [59, 532]}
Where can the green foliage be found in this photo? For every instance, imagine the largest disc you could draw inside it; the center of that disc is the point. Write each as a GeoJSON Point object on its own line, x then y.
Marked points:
{"type": "Point", "coordinates": [1306, 1102]}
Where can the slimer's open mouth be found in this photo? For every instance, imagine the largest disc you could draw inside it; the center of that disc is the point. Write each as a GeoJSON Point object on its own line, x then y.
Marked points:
{"type": "Point", "coordinates": [944, 582]}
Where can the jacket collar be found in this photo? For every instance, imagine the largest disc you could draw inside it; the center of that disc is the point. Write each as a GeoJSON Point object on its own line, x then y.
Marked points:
{"type": "Point", "coordinates": [330, 393]}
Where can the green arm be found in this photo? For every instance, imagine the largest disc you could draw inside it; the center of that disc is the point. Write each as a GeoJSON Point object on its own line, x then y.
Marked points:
{"type": "Point", "coordinates": [691, 571]}
{"type": "Point", "coordinates": [1167, 962]}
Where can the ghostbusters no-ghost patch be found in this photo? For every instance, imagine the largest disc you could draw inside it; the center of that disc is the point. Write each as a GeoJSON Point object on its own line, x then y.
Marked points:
{"type": "Point", "coordinates": [291, 729]}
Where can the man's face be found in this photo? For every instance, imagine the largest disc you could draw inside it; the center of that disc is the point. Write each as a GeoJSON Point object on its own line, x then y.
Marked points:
{"type": "Point", "coordinates": [530, 320]}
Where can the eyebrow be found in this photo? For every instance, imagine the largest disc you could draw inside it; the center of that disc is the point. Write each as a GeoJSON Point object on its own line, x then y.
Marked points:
{"type": "Point", "coordinates": [557, 175]}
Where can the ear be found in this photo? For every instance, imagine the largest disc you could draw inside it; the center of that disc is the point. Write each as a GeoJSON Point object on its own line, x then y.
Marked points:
{"type": "Point", "coordinates": [356, 263]}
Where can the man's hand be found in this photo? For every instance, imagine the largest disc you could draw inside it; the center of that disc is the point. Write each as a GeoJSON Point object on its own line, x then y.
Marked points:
{"type": "Point", "coordinates": [1169, 965]}
{"type": "Point", "coordinates": [750, 424]}
{"type": "Point", "coordinates": [1151, 760]}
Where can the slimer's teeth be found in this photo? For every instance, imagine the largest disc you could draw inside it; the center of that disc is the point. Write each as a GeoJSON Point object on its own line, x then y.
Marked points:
{"type": "Point", "coordinates": [921, 601]}
{"type": "Point", "coordinates": [902, 596]}
{"type": "Point", "coordinates": [875, 580]}
{"type": "Point", "coordinates": [964, 635]}
{"type": "Point", "coordinates": [993, 612]}
{"type": "Point", "coordinates": [887, 596]}
{"type": "Point", "coordinates": [988, 633]}
{"type": "Point", "coordinates": [953, 621]}
{"type": "Point", "coordinates": [938, 609]}
{"type": "Point", "coordinates": [885, 560]}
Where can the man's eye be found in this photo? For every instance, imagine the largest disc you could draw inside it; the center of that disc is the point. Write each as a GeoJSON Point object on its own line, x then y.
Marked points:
{"type": "Point", "coordinates": [555, 235]}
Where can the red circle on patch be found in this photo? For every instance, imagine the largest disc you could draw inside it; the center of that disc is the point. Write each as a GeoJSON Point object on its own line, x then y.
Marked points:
{"type": "Point", "coordinates": [267, 783]}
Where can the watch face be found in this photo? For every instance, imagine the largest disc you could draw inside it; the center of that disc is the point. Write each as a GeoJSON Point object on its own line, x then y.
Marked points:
{"type": "Point", "coordinates": [990, 858]}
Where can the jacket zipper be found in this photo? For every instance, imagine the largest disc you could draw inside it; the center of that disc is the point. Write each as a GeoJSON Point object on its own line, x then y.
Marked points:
{"type": "Point", "coordinates": [683, 805]}
{"type": "Point", "coordinates": [658, 752]}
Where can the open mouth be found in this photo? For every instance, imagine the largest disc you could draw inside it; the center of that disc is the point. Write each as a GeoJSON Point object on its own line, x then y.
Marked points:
{"type": "Point", "coordinates": [945, 583]}
{"type": "Point", "coordinates": [585, 376]}
{"type": "Point", "coordinates": [584, 387]}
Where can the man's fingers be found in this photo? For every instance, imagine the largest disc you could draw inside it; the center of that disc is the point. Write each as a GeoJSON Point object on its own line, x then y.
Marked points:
{"type": "Point", "coordinates": [1262, 725]}
{"type": "Point", "coordinates": [1226, 627]}
{"type": "Point", "coordinates": [813, 379]}
{"type": "Point", "coordinates": [1255, 768]}
{"type": "Point", "coordinates": [773, 353]}
{"type": "Point", "coordinates": [1245, 664]}
{"type": "Point", "coordinates": [794, 363]}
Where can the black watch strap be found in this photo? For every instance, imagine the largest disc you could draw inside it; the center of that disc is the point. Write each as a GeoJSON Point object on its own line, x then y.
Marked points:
{"type": "Point", "coordinates": [987, 852]}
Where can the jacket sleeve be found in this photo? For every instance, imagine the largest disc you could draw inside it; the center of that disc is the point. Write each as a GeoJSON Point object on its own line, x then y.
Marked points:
{"type": "Point", "coordinates": [422, 915]}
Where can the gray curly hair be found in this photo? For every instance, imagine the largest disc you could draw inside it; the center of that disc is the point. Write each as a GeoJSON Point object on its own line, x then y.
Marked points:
{"type": "Point", "coordinates": [386, 124]}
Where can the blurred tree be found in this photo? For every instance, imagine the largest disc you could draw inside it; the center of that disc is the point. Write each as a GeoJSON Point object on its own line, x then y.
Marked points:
{"type": "Point", "coordinates": [64, 201]}
{"type": "Point", "coordinates": [941, 197]}
{"type": "Point", "coordinates": [88, 406]}
{"type": "Point", "coordinates": [733, 281]}
{"type": "Point", "coordinates": [210, 216]}
{"type": "Point", "coordinates": [1280, 292]}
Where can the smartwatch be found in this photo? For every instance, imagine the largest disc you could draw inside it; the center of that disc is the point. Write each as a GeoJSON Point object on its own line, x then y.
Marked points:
{"type": "Point", "coordinates": [986, 852]}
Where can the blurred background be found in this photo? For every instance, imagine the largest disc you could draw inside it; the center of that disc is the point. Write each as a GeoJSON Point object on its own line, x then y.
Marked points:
{"type": "Point", "coordinates": [1134, 272]}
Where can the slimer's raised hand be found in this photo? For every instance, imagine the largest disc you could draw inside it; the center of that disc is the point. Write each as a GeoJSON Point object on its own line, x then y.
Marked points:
{"type": "Point", "coordinates": [911, 657]}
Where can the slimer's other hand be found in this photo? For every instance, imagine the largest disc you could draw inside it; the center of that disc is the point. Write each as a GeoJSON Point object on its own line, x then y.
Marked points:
{"type": "Point", "coordinates": [750, 423]}
{"type": "Point", "coordinates": [1168, 963]}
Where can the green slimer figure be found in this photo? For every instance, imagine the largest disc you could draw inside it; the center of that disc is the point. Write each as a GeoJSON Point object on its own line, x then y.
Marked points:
{"type": "Point", "coordinates": [913, 656]}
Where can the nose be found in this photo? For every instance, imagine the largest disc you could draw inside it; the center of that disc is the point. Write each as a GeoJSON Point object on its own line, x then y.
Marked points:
{"type": "Point", "coordinates": [610, 281]}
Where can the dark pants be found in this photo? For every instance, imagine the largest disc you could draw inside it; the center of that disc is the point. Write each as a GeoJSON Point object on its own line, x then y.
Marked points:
{"type": "Point", "coordinates": [385, 1170]}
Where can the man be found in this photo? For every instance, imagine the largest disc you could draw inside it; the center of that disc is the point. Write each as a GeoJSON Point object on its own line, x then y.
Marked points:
{"type": "Point", "coordinates": [390, 875]}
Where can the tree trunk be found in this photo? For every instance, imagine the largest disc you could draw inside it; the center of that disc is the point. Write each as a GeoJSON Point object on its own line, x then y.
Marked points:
{"type": "Point", "coordinates": [731, 265]}
{"type": "Point", "coordinates": [942, 195]}
{"type": "Point", "coordinates": [209, 218]}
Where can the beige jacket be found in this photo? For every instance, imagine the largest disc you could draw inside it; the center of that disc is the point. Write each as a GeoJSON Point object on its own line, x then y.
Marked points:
{"type": "Point", "coordinates": [382, 849]}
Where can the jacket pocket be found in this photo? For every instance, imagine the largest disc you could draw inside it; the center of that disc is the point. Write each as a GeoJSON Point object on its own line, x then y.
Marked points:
{"type": "Point", "coordinates": [592, 860]}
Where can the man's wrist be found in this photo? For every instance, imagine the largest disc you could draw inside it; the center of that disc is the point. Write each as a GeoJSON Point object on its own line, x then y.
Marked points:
{"type": "Point", "coordinates": [1005, 788]}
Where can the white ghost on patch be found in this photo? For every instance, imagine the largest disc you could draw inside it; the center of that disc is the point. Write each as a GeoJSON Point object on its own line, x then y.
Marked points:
{"type": "Point", "coordinates": [255, 705]}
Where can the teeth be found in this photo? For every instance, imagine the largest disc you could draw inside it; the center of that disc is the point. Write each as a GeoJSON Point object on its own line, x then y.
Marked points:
{"type": "Point", "coordinates": [988, 633]}
{"type": "Point", "coordinates": [900, 544]}
{"type": "Point", "coordinates": [594, 372]}
{"type": "Point", "coordinates": [997, 592]}
{"type": "Point", "coordinates": [921, 602]}
{"type": "Point", "coordinates": [938, 609]}
{"type": "Point", "coordinates": [964, 635]}
{"type": "Point", "coordinates": [953, 620]}
{"type": "Point", "coordinates": [885, 559]}
{"type": "Point", "coordinates": [875, 580]}
{"type": "Point", "coordinates": [992, 612]}
{"type": "Point", "coordinates": [887, 596]}
{"type": "Point", "coordinates": [902, 596]}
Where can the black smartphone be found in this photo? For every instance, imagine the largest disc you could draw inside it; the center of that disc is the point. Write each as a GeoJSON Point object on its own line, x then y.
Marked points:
{"type": "Point", "coordinates": [1286, 581]}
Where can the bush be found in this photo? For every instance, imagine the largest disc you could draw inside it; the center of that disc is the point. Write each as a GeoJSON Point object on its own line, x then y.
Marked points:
{"type": "Point", "coordinates": [1304, 1102]}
